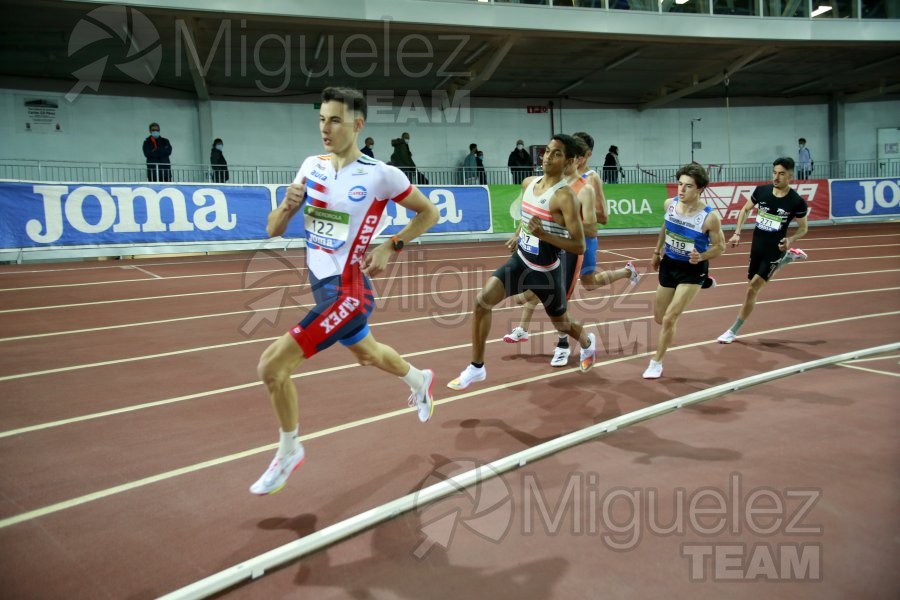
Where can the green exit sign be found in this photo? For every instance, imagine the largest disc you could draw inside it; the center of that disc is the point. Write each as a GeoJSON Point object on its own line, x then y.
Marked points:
{"type": "Point", "coordinates": [317, 105]}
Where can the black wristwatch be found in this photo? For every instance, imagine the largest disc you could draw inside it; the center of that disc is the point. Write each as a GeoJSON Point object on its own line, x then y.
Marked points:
{"type": "Point", "coordinates": [397, 243]}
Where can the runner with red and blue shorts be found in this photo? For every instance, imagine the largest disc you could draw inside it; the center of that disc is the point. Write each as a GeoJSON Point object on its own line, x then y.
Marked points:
{"type": "Point", "coordinates": [342, 195]}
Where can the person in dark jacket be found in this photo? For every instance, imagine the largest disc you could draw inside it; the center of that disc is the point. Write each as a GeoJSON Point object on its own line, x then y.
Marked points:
{"type": "Point", "coordinates": [611, 167]}
{"type": "Point", "coordinates": [218, 162]}
{"type": "Point", "coordinates": [402, 159]}
{"type": "Point", "coordinates": [519, 163]}
{"type": "Point", "coordinates": [367, 149]}
{"type": "Point", "coordinates": [157, 150]}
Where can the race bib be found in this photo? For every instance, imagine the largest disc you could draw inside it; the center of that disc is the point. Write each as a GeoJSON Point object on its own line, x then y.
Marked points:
{"type": "Point", "coordinates": [679, 244]}
{"type": "Point", "coordinates": [326, 228]}
{"type": "Point", "coordinates": [528, 242]}
{"type": "Point", "coordinates": [769, 222]}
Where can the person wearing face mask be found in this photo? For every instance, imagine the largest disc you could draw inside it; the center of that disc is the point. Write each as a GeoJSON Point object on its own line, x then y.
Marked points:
{"type": "Point", "coordinates": [519, 163]}
{"type": "Point", "coordinates": [367, 149]}
{"type": "Point", "coordinates": [218, 162]}
{"type": "Point", "coordinates": [157, 150]}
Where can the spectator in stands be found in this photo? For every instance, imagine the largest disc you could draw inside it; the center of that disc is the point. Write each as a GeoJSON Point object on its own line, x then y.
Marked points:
{"type": "Point", "coordinates": [804, 160]}
{"type": "Point", "coordinates": [519, 163]}
{"type": "Point", "coordinates": [218, 162]}
{"type": "Point", "coordinates": [611, 167]}
{"type": "Point", "coordinates": [157, 151]}
{"type": "Point", "coordinates": [367, 149]}
{"type": "Point", "coordinates": [470, 166]}
{"type": "Point", "coordinates": [402, 156]}
{"type": "Point", "coordinates": [479, 166]}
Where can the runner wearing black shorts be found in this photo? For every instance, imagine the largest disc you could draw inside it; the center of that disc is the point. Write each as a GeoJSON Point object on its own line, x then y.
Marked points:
{"type": "Point", "coordinates": [551, 222]}
{"type": "Point", "coordinates": [690, 236]}
{"type": "Point", "coordinates": [777, 205]}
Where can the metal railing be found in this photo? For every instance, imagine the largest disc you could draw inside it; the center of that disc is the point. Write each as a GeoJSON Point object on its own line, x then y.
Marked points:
{"type": "Point", "coordinates": [803, 9]}
{"type": "Point", "coordinates": [70, 171]}
{"type": "Point", "coordinates": [84, 172]}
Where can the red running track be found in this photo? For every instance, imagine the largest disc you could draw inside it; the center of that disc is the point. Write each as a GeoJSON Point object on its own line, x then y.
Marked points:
{"type": "Point", "coordinates": [132, 424]}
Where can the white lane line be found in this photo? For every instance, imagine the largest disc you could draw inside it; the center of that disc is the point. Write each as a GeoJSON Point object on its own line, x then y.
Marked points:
{"type": "Point", "coordinates": [438, 247]}
{"type": "Point", "coordinates": [399, 322]}
{"type": "Point", "coordinates": [876, 371]}
{"type": "Point", "coordinates": [73, 502]}
{"type": "Point", "coordinates": [254, 289]}
{"type": "Point", "coordinates": [242, 257]}
{"type": "Point", "coordinates": [387, 278]}
{"type": "Point", "coordinates": [286, 268]}
{"type": "Point", "coordinates": [119, 361]}
{"type": "Point", "coordinates": [614, 251]}
{"type": "Point", "coordinates": [214, 315]}
{"type": "Point", "coordinates": [466, 344]}
{"type": "Point", "coordinates": [632, 258]}
{"type": "Point", "coordinates": [142, 270]}
{"type": "Point", "coordinates": [380, 300]}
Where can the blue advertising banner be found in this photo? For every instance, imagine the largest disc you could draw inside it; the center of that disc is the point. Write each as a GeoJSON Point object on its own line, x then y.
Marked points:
{"type": "Point", "coordinates": [865, 198]}
{"type": "Point", "coordinates": [462, 209]}
{"type": "Point", "coordinates": [46, 214]}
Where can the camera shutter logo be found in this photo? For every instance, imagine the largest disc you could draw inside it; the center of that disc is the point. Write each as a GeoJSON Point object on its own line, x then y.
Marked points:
{"type": "Point", "coordinates": [138, 54]}
{"type": "Point", "coordinates": [489, 510]}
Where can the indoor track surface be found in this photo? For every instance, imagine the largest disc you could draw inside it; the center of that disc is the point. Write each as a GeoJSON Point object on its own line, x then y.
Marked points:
{"type": "Point", "coordinates": [132, 423]}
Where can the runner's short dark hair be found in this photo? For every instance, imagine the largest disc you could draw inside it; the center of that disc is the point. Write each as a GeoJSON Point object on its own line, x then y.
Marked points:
{"type": "Point", "coordinates": [785, 161]}
{"type": "Point", "coordinates": [696, 172]}
{"type": "Point", "coordinates": [352, 99]}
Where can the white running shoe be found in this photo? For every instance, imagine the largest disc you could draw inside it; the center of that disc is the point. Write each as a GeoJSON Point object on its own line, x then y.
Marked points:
{"type": "Point", "coordinates": [279, 470]}
{"type": "Point", "coordinates": [516, 335]}
{"type": "Point", "coordinates": [795, 255]}
{"type": "Point", "coordinates": [633, 276]}
{"type": "Point", "coordinates": [589, 354]}
{"type": "Point", "coordinates": [469, 376]}
{"type": "Point", "coordinates": [727, 337]}
{"type": "Point", "coordinates": [421, 399]}
{"type": "Point", "coordinates": [654, 370]}
{"type": "Point", "coordinates": [708, 283]}
{"type": "Point", "coordinates": [560, 357]}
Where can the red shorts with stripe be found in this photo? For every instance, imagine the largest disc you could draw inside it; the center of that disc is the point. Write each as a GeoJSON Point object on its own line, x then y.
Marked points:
{"type": "Point", "coordinates": [343, 305]}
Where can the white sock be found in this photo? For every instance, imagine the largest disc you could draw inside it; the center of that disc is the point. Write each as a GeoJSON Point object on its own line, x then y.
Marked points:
{"type": "Point", "coordinates": [414, 378]}
{"type": "Point", "coordinates": [288, 441]}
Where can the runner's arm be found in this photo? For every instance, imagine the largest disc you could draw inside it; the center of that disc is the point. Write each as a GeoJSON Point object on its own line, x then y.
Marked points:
{"type": "Point", "coordinates": [425, 218]}
{"type": "Point", "coordinates": [716, 240]}
{"type": "Point", "coordinates": [660, 241]}
{"type": "Point", "coordinates": [586, 198]}
{"type": "Point", "coordinates": [280, 217]}
{"type": "Point", "coordinates": [802, 229]}
{"type": "Point", "coordinates": [742, 217]}
{"type": "Point", "coordinates": [600, 206]}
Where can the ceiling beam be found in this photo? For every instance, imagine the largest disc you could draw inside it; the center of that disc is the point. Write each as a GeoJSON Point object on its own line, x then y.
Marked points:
{"type": "Point", "coordinates": [193, 61]}
{"type": "Point", "coordinates": [873, 93]}
{"type": "Point", "coordinates": [482, 71]}
{"type": "Point", "coordinates": [731, 69]}
{"type": "Point", "coordinates": [622, 60]}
